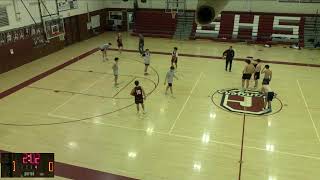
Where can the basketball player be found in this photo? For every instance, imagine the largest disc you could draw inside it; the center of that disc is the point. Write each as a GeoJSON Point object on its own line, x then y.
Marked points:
{"type": "Point", "coordinates": [119, 42]}
{"type": "Point", "coordinates": [103, 48]}
{"type": "Point", "coordinates": [247, 73]}
{"type": "Point", "coordinates": [229, 55]}
{"type": "Point", "coordinates": [267, 74]}
{"type": "Point", "coordinates": [146, 57]}
{"type": "Point", "coordinates": [169, 78]}
{"type": "Point", "coordinates": [115, 69]}
{"type": "Point", "coordinates": [141, 44]}
{"type": "Point", "coordinates": [269, 94]}
{"type": "Point", "coordinates": [257, 66]}
{"type": "Point", "coordinates": [139, 95]}
{"type": "Point", "coordinates": [174, 57]}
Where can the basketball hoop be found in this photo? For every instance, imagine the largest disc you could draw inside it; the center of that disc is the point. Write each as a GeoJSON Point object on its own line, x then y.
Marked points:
{"type": "Point", "coordinates": [54, 27]}
{"type": "Point", "coordinates": [173, 13]}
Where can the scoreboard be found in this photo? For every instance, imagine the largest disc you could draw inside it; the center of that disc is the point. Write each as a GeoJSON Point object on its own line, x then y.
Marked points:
{"type": "Point", "coordinates": [27, 165]}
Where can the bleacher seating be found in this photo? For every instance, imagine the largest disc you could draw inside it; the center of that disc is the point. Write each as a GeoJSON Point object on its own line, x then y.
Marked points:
{"type": "Point", "coordinates": [154, 24]}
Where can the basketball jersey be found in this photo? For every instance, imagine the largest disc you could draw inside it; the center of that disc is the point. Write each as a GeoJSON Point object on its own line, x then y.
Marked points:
{"type": "Point", "coordinates": [119, 40]}
{"type": "Point", "coordinates": [174, 54]}
{"type": "Point", "coordinates": [147, 58]}
{"type": "Point", "coordinates": [138, 92]}
{"type": "Point", "coordinates": [141, 40]}
{"type": "Point", "coordinates": [115, 69]}
{"type": "Point", "coordinates": [104, 47]}
{"type": "Point", "coordinates": [170, 75]}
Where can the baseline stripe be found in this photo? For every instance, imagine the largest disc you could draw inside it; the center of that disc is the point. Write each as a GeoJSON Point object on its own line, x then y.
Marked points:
{"type": "Point", "coordinates": [44, 74]}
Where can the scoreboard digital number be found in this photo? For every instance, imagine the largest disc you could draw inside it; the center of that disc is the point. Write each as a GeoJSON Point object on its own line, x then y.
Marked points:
{"type": "Point", "coordinates": [27, 165]}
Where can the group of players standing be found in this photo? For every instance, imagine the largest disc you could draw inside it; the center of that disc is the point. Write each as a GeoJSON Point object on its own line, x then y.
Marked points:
{"type": "Point", "coordinates": [253, 68]}
{"type": "Point", "coordinates": [138, 92]}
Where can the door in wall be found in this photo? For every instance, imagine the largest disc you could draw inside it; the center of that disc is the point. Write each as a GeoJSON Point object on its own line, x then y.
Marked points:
{"type": "Point", "coordinates": [130, 21]}
{"type": "Point", "coordinates": [75, 29]}
{"type": "Point", "coordinates": [68, 31]}
{"type": "Point", "coordinates": [72, 30]}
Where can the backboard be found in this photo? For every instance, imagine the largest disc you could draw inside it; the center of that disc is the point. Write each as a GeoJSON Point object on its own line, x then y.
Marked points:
{"type": "Point", "coordinates": [175, 7]}
{"type": "Point", "coordinates": [53, 27]}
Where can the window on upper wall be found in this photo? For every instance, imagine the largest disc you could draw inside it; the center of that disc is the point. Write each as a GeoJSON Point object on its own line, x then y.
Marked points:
{"type": "Point", "coordinates": [300, 1]}
{"type": "Point", "coordinates": [4, 21]}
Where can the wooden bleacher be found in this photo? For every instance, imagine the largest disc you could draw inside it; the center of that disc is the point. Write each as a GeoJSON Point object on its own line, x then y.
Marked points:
{"type": "Point", "coordinates": [154, 24]}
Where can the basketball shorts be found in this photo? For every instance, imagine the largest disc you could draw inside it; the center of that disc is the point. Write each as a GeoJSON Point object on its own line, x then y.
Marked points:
{"type": "Point", "coordinates": [174, 60]}
{"type": "Point", "coordinates": [266, 81]}
{"type": "Point", "coordinates": [270, 96]}
{"type": "Point", "coordinates": [246, 76]}
{"type": "Point", "coordinates": [138, 100]}
{"type": "Point", "coordinates": [170, 84]}
{"type": "Point", "coordinates": [256, 75]}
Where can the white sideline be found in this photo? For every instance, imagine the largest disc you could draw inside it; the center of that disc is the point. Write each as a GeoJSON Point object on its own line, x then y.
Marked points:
{"type": "Point", "coordinates": [305, 102]}
{"type": "Point", "coordinates": [185, 103]}
{"type": "Point", "coordinates": [199, 139]}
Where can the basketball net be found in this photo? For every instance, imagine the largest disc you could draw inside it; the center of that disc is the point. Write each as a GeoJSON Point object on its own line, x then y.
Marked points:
{"type": "Point", "coordinates": [173, 13]}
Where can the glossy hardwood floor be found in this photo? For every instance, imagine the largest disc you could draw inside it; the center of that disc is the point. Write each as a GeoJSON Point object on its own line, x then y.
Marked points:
{"type": "Point", "coordinates": [79, 115]}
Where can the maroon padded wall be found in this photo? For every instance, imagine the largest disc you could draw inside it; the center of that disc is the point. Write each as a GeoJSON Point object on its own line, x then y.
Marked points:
{"type": "Point", "coordinates": [76, 31]}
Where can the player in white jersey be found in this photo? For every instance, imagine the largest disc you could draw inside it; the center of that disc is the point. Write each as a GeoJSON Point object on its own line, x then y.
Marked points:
{"type": "Point", "coordinates": [174, 57]}
{"type": "Point", "coordinates": [146, 58]}
{"type": "Point", "coordinates": [169, 78]}
{"type": "Point", "coordinates": [103, 48]}
{"type": "Point", "coordinates": [115, 69]}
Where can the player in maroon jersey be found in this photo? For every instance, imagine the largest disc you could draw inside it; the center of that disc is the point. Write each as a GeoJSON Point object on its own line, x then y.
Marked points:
{"type": "Point", "coordinates": [139, 95]}
{"type": "Point", "coordinates": [174, 57]}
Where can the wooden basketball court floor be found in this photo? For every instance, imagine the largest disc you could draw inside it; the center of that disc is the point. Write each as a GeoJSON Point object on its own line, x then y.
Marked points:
{"type": "Point", "coordinates": [74, 111]}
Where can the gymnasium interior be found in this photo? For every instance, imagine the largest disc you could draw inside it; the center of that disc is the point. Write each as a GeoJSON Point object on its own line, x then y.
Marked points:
{"type": "Point", "coordinates": [63, 116]}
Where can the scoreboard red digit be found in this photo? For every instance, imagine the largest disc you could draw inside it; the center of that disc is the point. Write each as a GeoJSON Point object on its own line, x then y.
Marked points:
{"type": "Point", "coordinates": [27, 165]}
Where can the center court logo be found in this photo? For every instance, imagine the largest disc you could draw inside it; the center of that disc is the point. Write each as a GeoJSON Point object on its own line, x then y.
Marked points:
{"type": "Point", "coordinates": [250, 102]}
